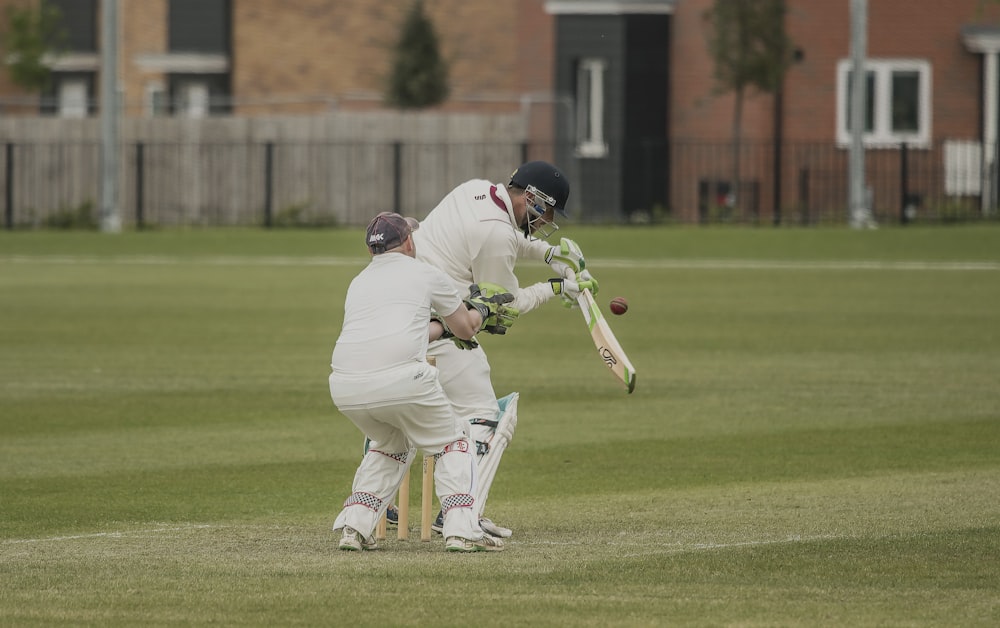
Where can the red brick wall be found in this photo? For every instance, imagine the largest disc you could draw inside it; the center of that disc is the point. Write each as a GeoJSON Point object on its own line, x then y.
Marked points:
{"type": "Point", "coordinates": [822, 31]}
{"type": "Point", "coordinates": [699, 111]}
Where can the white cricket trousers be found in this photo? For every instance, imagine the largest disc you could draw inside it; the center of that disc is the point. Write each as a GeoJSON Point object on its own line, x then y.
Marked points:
{"type": "Point", "coordinates": [465, 376]}
{"type": "Point", "coordinates": [403, 409]}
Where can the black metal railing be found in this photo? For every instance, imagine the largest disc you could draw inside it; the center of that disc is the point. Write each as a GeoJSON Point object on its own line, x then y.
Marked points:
{"type": "Point", "coordinates": [279, 183]}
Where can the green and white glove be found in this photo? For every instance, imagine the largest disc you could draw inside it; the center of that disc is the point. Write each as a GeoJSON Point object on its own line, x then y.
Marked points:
{"type": "Point", "coordinates": [584, 275]}
{"type": "Point", "coordinates": [472, 343]}
{"type": "Point", "coordinates": [461, 343]}
{"type": "Point", "coordinates": [566, 258]}
{"type": "Point", "coordinates": [491, 299]}
{"type": "Point", "coordinates": [570, 289]}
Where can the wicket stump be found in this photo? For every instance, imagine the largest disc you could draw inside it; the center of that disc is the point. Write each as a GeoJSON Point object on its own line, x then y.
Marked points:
{"type": "Point", "coordinates": [403, 499]}
{"type": "Point", "coordinates": [426, 501]}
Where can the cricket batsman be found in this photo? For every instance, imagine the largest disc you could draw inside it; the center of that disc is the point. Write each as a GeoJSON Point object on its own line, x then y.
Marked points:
{"type": "Point", "coordinates": [477, 234]}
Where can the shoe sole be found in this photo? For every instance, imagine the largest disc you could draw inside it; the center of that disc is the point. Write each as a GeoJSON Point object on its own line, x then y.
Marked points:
{"type": "Point", "coordinates": [473, 547]}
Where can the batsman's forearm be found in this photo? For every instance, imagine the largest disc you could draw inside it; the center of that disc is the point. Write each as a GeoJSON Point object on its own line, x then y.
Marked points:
{"type": "Point", "coordinates": [530, 297]}
{"type": "Point", "coordinates": [533, 249]}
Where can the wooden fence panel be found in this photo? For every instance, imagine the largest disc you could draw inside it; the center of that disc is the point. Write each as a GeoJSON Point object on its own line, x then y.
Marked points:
{"type": "Point", "coordinates": [338, 168]}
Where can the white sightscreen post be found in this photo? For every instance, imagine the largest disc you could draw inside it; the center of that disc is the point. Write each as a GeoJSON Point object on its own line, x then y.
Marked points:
{"type": "Point", "coordinates": [989, 180]}
{"type": "Point", "coordinates": [860, 205]}
{"type": "Point", "coordinates": [111, 221]}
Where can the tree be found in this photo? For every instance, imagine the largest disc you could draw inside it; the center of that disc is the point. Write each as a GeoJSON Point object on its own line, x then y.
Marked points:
{"type": "Point", "coordinates": [749, 46]}
{"type": "Point", "coordinates": [32, 34]}
{"type": "Point", "coordinates": [419, 75]}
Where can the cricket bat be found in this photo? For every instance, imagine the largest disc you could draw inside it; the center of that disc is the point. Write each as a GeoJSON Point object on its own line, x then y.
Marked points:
{"type": "Point", "coordinates": [607, 345]}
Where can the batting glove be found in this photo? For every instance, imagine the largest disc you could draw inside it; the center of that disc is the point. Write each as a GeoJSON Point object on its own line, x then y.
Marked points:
{"type": "Point", "coordinates": [570, 289]}
{"type": "Point", "coordinates": [566, 255]}
{"type": "Point", "coordinates": [490, 300]}
{"type": "Point", "coordinates": [584, 275]}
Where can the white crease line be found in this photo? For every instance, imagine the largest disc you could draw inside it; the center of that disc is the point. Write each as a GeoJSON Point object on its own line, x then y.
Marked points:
{"type": "Point", "coordinates": [692, 264]}
{"type": "Point", "coordinates": [678, 548]}
{"type": "Point", "coordinates": [109, 535]}
{"type": "Point", "coordinates": [702, 547]}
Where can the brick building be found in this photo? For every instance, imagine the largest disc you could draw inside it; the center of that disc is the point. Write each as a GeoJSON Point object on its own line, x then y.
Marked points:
{"type": "Point", "coordinates": [257, 57]}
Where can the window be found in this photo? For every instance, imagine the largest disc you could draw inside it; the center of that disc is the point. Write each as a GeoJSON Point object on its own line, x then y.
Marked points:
{"type": "Point", "coordinates": [590, 108]}
{"type": "Point", "coordinates": [197, 65]}
{"type": "Point", "coordinates": [897, 102]}
{"type": "Point", "coordinates": [198, 26]}
{"type": "Point", "coordinates": [79, 23]}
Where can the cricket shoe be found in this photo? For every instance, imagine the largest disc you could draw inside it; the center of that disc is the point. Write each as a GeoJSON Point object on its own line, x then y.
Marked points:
{"type": "Point", "coordinates": [438, 525]}
{"type": "Point", "coordinates": [494, 530]}
{"type": "Point", "coordinates": [486, 544]}
{"type": "Point", "coordinates": [353, 541]}
{"type": "Point", "coordinates": [392, 516]}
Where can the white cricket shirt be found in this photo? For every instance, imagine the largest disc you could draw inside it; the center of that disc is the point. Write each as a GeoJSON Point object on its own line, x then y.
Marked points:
{"type": "Point", "coordinates": [471, 235]}
{"type": "Point", "coordinates": [387, 312]}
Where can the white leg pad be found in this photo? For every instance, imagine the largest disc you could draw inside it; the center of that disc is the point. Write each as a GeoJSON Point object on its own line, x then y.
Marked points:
{"type": "Point", "coordinates": [375, 483]}
{"type": "Point", "coordinates": [497, 439]}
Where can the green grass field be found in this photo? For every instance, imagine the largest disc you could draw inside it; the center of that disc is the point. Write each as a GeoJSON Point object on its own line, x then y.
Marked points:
{"type": "Point", "coordinates": [814, 439]}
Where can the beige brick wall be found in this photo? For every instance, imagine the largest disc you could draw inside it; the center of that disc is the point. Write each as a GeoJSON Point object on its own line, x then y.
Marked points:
{"type": "Point", "coordinates": [143, 31]}
{"type": "Point", "coordinates": [296, 56]}
{"type": "Point", "coordinates": [342, 50]}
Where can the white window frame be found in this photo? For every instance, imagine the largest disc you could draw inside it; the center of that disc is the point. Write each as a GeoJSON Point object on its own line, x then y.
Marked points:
{"type": "Point", "coordinates": [73, 98]}
{"type": "Point", "coordinates": [882, 133]}
{"type": "Point", "coordinates": [590, 95]}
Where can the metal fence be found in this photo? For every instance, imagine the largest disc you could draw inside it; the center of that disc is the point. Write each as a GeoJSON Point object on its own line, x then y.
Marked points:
{"type": "Point", "coordinates": [808, 184]}
{"type": "Point", "coordinates": [279, 182]}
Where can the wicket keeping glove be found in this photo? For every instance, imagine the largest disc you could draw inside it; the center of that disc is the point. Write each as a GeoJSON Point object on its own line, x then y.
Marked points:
{"type": "Point", "coordinates": [472, 343]}
{"type": "Point", "coordinates": [566, 258]}
{"type": "Point", "coordinates": [461, 343]}
{"type": "Point", "coordinates": [490, 300]}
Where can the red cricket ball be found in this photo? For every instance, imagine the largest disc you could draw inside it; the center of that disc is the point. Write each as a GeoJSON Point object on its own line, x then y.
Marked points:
{"type": "Point", "coordinates": [619, 305]}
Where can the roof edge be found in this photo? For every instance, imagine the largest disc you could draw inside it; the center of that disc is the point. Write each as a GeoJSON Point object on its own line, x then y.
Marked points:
{"type": "Point", "coordinates": [980, 38]}
{"type": "Point", "coordinates": [610, 7]}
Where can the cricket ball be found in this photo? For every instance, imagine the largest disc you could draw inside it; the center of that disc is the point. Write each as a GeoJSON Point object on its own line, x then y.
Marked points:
{"type": "Point", "coordinates": [619, 305]}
